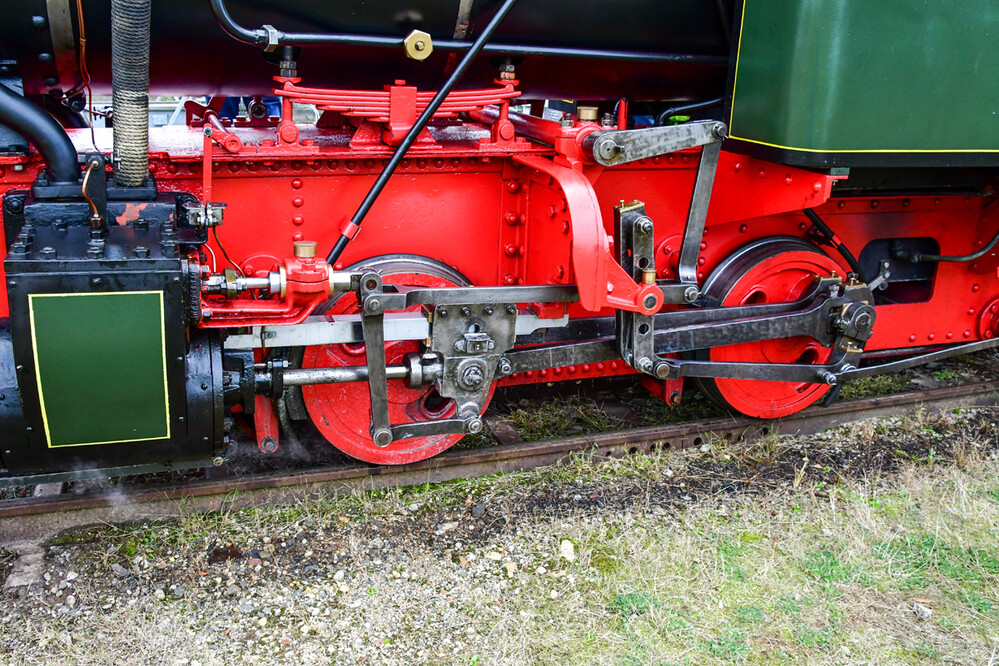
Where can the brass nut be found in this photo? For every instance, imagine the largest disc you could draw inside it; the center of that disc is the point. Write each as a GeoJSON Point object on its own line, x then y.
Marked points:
{"type": "Point", "coordinates": [419, 45]}
{"type": "Point", "coordinates": [586, 113]}
{"type": "Point", "coordinates": [305, 249]}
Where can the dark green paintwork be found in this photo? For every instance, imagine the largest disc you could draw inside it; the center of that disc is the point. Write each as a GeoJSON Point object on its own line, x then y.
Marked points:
{"type": "Point", "coordinates": [101, 366]}
{"type": "Point", "coordinates": [869, 75]}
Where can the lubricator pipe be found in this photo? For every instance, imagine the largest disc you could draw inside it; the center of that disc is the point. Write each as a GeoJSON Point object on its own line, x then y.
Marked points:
{"type": "Point", "coordinates": [44, 133]}
{"type": "Point", "coordinates": [130, 89]}
{"type": "Point", "coordinates": [270, 38]}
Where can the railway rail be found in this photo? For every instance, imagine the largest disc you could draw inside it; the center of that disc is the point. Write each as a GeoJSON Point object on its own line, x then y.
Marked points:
{"type": "Point", "coordinates": [26, 523]}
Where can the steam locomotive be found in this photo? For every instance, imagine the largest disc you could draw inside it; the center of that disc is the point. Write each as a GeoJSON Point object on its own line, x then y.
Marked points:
{"type": "Point", "coordinates": [753, 197]}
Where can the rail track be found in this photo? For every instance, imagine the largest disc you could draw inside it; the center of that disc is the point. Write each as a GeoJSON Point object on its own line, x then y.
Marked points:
{"type": "Point", "coordinates": [26, 523]}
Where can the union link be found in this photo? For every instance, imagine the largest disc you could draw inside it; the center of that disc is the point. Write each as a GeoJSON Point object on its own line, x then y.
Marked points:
{"type": "Point", "coordinates": [286, 295]}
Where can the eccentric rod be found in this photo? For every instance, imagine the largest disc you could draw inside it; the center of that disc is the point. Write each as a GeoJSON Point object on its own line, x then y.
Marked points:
{"type": "Point", "coordinates": [270, 38]}
{"type": "Point", "coordinates": [418, 127]}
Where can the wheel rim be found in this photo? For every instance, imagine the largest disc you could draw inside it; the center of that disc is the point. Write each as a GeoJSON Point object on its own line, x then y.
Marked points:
{"type": "Point", "coordinates": [342, 412]}
{"type": "Point", "coordinates": [773, 271]}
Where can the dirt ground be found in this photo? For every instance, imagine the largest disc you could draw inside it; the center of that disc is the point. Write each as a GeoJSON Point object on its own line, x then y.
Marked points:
{"type": "Point", "coordinates": [870, 544]}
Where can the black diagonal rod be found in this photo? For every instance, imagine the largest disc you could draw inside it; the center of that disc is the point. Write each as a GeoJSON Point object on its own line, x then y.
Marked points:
{"type": "Point", "coordinates": [418, 127]}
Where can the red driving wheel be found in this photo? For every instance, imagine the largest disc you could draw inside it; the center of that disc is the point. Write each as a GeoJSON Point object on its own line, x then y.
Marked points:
{"type": "Point", "coordinates": [342, 412]}
{"type": "Point", "coordinates": [776, 270]}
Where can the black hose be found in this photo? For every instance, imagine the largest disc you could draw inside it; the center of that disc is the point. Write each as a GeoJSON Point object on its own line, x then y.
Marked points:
{"type": "Point", "coordinates": [130, 89]}
{"type": "Point", "coordinates": [828, 236]}
{"type": "Point", "coordinates": [418, 127]}
{"type": "Point", "coordinates": [44, 133]}
{"type": "Point", "coordinates": [272, 39]}
{"type": "Point", "coordinates": [663, 117]}
{"type": "Point", "coordinates": [917, 257]}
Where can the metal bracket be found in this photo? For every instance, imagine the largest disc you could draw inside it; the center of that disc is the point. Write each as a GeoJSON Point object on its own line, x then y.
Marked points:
{"type": "Point", "coordinates": [208, 214]}
{"type": "Point", "coordinates": [613, 147]}
{"type": "Point", "coordinates": [698, 214]}
{"type": "Point", "coordinates": [635, 242]}
{"type": "Point", "coordinates": [469, 339]}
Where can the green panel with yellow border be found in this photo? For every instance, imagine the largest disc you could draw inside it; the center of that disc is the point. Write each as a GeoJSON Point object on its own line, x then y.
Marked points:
{"type": "Point", "coordinates": [868, 76]}
{"type": "Point", "coordinates": [100, 363]}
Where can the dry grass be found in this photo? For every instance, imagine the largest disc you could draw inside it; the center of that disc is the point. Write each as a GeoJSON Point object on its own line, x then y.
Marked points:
{"type": "Point", "coordinates": [805, 576]}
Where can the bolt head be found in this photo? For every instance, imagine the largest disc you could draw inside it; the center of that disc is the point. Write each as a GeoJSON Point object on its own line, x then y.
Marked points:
{"type": "Point", "coordinates": [649, 302]}
{"type": "Point", "coordinates": [474, 426]}
{"type": "Point", "coordinates": [472, 377]}
{"type": "Point", "coordinates": [418, 45]}
{"type": "Point", "coordinates": [504, 366]}
{"type": "Point", "coordinates": [382, 437]}
{"type": "Point", "coordinates": [690, 294]}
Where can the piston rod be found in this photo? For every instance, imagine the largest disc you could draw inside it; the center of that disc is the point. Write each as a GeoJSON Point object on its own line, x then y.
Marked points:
{"type": "Point", "coordinates": [304, 376]}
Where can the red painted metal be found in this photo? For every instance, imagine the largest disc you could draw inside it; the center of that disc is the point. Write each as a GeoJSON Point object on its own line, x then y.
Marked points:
{"type": "Point", "coordinates": [308, 286]}
{"type": "Point", "coordinates": [785, 276]}
{"type": "Point", "coordinates": [265, 424]}
{"type": "Point", "coordinates": [601, 281]}
{"type": "Point", "coordinates": [509, 199]}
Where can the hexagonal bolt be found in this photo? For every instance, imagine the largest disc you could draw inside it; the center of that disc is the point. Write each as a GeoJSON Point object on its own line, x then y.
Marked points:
{"type": "Point", "coordinates": [504, 367]}
{"type": "Point", "coordinates": [827, 378]}
{"type": "Point", "coordinates": [419, 45]}
{"type": "Point", "coordinates": [644, 365]}
{"type": "Point", "coordinates": [382, 437]}
{"type": "Point", "coordinates": [644, 225]}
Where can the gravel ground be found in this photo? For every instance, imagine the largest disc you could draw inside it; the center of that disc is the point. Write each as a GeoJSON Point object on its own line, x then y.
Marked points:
{"type": "Point", "coordinates": [479, 571]}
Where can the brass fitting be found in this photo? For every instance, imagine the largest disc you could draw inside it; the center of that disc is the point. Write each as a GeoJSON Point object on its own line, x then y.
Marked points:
{"type": "Point", "coordinates": [305, 249]}
{"type": "Point", "coordinates": [419, 45]}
